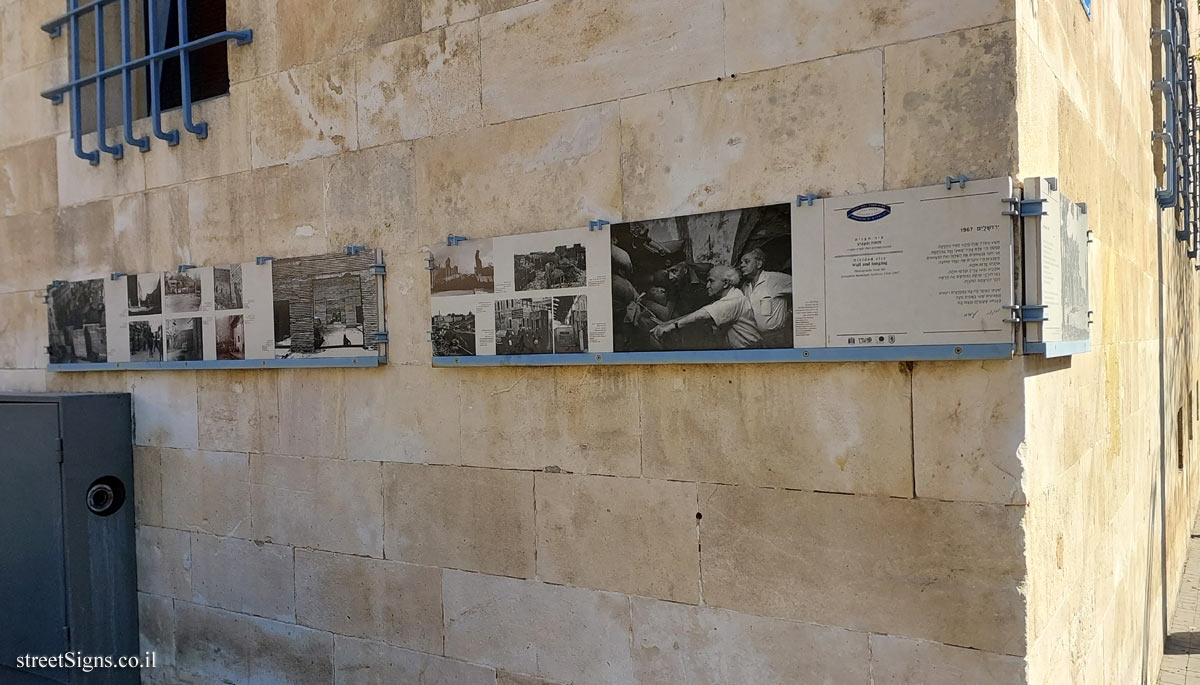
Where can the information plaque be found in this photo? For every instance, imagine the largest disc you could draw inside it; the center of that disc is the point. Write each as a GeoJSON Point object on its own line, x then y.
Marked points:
{"type": "Point", "coordinates": [1057, 314]}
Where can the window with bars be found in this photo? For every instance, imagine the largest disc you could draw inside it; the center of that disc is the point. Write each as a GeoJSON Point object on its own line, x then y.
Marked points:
{"type": "Point", "coordinates": [133, 58]}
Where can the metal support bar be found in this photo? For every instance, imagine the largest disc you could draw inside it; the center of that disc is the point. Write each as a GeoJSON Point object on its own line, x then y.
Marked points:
{"type": "Point", "coordinates": [262, 260]}
{"type": "Point", "coordinates": [1024, 208]}
{"type": "Point", "coordinates": [117, 151]}
{"type": "Point", "coordinates": [378, 269]}
{"type": "Point", "coordinates": [352, 250]}
{"type": "Point", "coordinates": [598, 224]}
{"type": "Point", "coordinates": [452, 240]}
{"type": "Point", "coordinates": [381, 336]}
{"type": "Point", "coordinates": [92, 156]}
{"type": "Point", "coordinates": [802, 200]}
{"type": "Point", "coordinates": [197, 128]}
{"type": "Point", "coordinates": [186, 267]}
{"type": "Point", "coordinates": [117, 275]}
{"type": "Point", "coordinates": [142, 143]}
{"type": "Point", "coordinates": [960, 179]}
{"type": "Point", "coordinates": [1027, 313]}
{"type": "Point", "coordinates": [429, 263]}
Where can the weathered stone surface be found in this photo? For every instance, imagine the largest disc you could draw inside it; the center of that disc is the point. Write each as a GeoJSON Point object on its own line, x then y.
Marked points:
{"type": "Point", "coordinates": [848, 426]}
{"type": "Point", "coordinates": [897, 661]}
{"type": "Point", "coordinates": [24, 380]}
{"type": "Point", "coordinates": [156, 627]}
{"type": "Point", "coordinates": [208, 492]}
{"type": "Point", "coordinates": [369, 200]}
{"type": "Point", "coordinates": [164, 409]}
{"type": "Point", "coordinates": [629, 535]}
{"type": "Point", "coordinates": [28, 116]}
{"type": "Point", "coordinates": [25, 44]}
{"type": "Point", "coordinates": [427, 85]}
{"type": "Point", "coordinates": [554, 55]}
{"type": "Point", "coordinates": [730, 144]}
{"type": "Point", "coordinates": [244, 576]}
{"type": "Point", "coordinates": [928, 84]}
{"type": "Point", "coordinates": [942, 571]}
{"type": "Point", "coordinates": [362, 662]}
{"type": "Point", "coordinates": [133, 245]}
{"type": "Point", "coordinates": [23, 331]}
{"type": "Point", "coordinates": [497, 405]}
{"type": "Point", "coordinates": [83, 241]}
{"type": "Point", "coordinates": [260, 57]}
{"type": "Point", "coordinates": [147, 486]}
{"type": "Point", "coordinates": [435, 13]}
{"type": "Point", "coordinates": [228, 409]}
{"type": "Point", "coordinates": [170, 244]}
{"type": "Point", "coordinates": [28, 178]}
{"type": "Point", "coordinates": [225, 151]}
{"type": "Point", "coordinates": [328, 504]}
{"type": "Point", "coordinates": [79, 181]}
{"type": "Point", "coordinates": [761, 35]}
{"type": "Point", "coordinates": [404, 413]}
{"type": "Point", "coordinates": [407, 290]}
{"type": "Point", "coordinates": [164, 562]}
{"type": "Point", "coordinates": [399, 604]}
{"type": "Point", "coordinates": [458, 517]}
{"type": "Point", "coordinates": [305, 112]}
{"type": "Point", "coordinates": [27, 258]}
{"type": "Point", "coordinates": [556, 171]}
{"type": "Point", "coordinates": [216, 232]}
{"type": "Point", "coordinates": [560, 633]}
{"type": "Point", "coordinates": [280, 210]}
{"type": "Point", "coordinates": [312, 31]}
{"type": "Point", "coordinates": [506, 678]}
{"type": "Point", "coordinates": [228, 647]}
{"type": "Point", "coordinates": [968, 425]}
{"type": "Point", "coordinates": [312, 418]}
{"type": "Point", "coordinates": [674, 643]}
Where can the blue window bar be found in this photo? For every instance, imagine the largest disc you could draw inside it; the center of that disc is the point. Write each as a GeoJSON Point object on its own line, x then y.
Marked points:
{"type": "Point", "coordinates": [1181, 121]}
{"type": "Point", "coordinates": [157, 16]}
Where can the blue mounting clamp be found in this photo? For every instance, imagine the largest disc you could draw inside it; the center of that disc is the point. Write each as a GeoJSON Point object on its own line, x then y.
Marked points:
{"type": "Point", "coordinates": [56, 283]}
{"type": "Point", "coordinates": [430, 265]}
{"type": "Point", "coordinates": [802, 200]}
{"type": "Point", "coordinates": [262, 260]}
{"type": "Point", "coordinates": [186, 267]}
{"type": "Point", "coordinates": [960, 179]}
{"type": "Point", "coordinates": [1027, 313]}
{"type": "Point", "coordinates": [352, 250]}
{"type": "Point", "coordinates": [1052, 183]}
{"type": "Point", "coordinates": [381, 336]}
{"type": "Point", "coordinates": [452, 240]}
{"type": "Point", "coordinates": [1024, 207]}
{"type": "Point", "coordinates": [378, 269]}
{"type": "Point", "coordinates": [117, 275]}
{"type": "Point", "coordinates": [598, 224]}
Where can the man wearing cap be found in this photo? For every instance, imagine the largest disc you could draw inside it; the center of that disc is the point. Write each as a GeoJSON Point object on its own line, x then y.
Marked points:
{"type": "Point", "coordinates": [730, 312]}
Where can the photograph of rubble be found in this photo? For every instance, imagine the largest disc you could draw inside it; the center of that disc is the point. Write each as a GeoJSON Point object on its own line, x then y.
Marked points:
{"type": "Point", "coordinates": [325, 306]}
{"type": "Point", "coordinates": [77, 324]}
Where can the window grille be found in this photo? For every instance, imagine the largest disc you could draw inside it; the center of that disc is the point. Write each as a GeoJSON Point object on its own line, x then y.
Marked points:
{"type": "Point", "coordinates": [157, 52]}
{"type": "Point", "coordinates": [1181, 158]}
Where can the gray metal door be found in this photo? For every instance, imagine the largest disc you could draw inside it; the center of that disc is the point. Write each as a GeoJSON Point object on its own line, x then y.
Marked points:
{"type": "Point", "coordinates": [32, 593]}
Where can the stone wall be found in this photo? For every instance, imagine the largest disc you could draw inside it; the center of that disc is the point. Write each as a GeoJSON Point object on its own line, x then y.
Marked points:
{"type": "Point", "coordinates": [770, 523]}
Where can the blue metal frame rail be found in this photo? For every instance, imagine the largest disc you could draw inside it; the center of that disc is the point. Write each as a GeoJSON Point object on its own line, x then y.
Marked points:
{"type": "Point", "coordinates": [152, 60]}
{"type": "Point", "coordinates": [1181, 159]}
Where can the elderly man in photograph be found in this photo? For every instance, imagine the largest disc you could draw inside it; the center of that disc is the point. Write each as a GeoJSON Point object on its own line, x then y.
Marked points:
{"type": "Point", "coordinates": [770, 297]}
{"type": "Point", "coordinates": [730, 312]}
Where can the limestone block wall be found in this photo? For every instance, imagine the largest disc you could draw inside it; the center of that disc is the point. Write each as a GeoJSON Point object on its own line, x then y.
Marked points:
{"type": "Point", "coordinates": [846, 523]}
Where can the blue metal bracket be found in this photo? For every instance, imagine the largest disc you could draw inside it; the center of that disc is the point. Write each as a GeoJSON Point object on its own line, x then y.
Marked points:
{"type": "Point", "coordinates": [352, 250]}
{"type": "Point", "coordinates": [430, 265]}
{"type": "Point", "coordinates": [262, 260]}
{"type": "Point", "coordinates": [381, 336]}
{"type": "Point", "coordinates": [598, 224]}
{"type": "Point", "coordinates": [1052, 183]}
{"type": "Point", "coordinates": [1024, 208]}
{"type": "Point", "coordinates": [452, 240]}
{"type": "Point", "coordinates": [186, 267]}
{"type": "Point", "coordinates": [117, 275]}
{"type": "Point", "coordinates": [802, 200]}
{"type": "Point", "coordinates": [378, 269]}
{"type": "Point", "coordinates": [57, 284]}
{"type": "Point", "coordinates": [960, 179]}
{"type": "Point", "coordinates": [1027, 313]}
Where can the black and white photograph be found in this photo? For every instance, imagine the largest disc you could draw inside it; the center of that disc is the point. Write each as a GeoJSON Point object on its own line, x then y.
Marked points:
{"type": "Point", "coordinates": [563, 267]}
{"type": "Point", "coordinates": [463, 269]}
{"type": "Point", "coordinates": [325, 306]}
{"type": "Point", "coordinates": [569, 329]}
{"type": "Point", "coordinates": [183, 340]}
{"type": "Point", "coordinates": [524, 326]}
{"type": "Point", "coordinates": [453, 331]}
{"type": "Point", "coordinates": [145, 341]}
{"type": "Point", "coordinates": [227, 286]}
{"type": "Point", "coordinates": [231, 337]}
{"type": "Point", "coordinates": [77, 326]}
{"type": "Point", "coordinates": [715, 281]}
{"type": "Point", "coordinates": [182, 292]}
{"type": "Point", "coordinates": [145, 294]}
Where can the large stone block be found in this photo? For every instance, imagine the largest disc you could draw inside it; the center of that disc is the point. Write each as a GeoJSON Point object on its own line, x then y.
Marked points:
{"type": "Point", "coordinates": [764, 34]}
{"type": "Point", "coordinates": [260, 57]}
{"type": "Point", "coordinates": [404, 413]}
{"type": "Point", "coordinates": [156, 627]}
{"type": "Point", "coordinates": [407, 290]}
{"type": "Point", "coordinates": [164, 562]}
{"type": "Point", "coordinates": [244, 576]}
{"type": "Point", "coordinates": [556, 54]}
{"type": "Point", "coordinates": [674, 643]}
{"type": "Point", "coordinates": [23, 331]}
{"type": "Point", "coordinates": [280, 210]}
{"type": "Point", "coordinates": [27, 252]}
{"type": "Point", "coordinates": [84, 246]}
{"type": "Point", "coordinates": [207, 492]}
{"type": "Point", "coordinates": [305, 112]}
{"type": "Point", "coordinates": [312, 417]}
{"type": "Point", "coordinates": [147, 486]}
{"type": "Point", "coordinates": [164, 409]}
{"type": "Point", "coordinates": [942, 571]}
{"type": "Point", "coordinates": [506, 678]}
{"type": "Point", "coordinates": [608, 441]}
{"type": "Point", "coordinates": [846, 428]}
{"type": "Point", "coordinates": [323, 503]}
{"type": "Point", "coordinates": [968, 426]}
{"type": "Point", "coordinates": [898, 661]}
{"type": "Point", "coordinates": [228, 404]}
{"type": "Point", "coordinates": [225, 151]}
{"type": "Point", "coordinates": [928, 86]}
{"type": "Point", "coordinates": [436, 13]}
{"type": "Point", "coordinates": [734, 143]}
{"type": "Point", "coordinates": [135, 248]}
{"type": "Point", "coordinates": [362, 662]}
{"type": "Point", "coordinates": [28, 178]}
{"type": "Point", "coordinates": [216, 230]}
{"type": "Point", "coordinates": [555, 171]}
{"type": "Point", "coordinates": [369, 200]}
{"type": "Point", "coordinates": [310, 31]}
{"type": "Point", "coordinates": [459, 517]}
{"type": "Point", "coordinates": [168, 227]}
{"type": "Point", "coordinates": [25, 43]}
{"type": "Point", "coordinates": [399, 604]}
{"type": "Point", "coordinates": [427, 85]}
{"type": "Point", "coordinates": [79, 181]}
{"type": "Point", "coordinates": [561, 633]}
{"type": "Point", "coordinates": [24, 380]}
{"type": "Point", "coordinates": [234, 648]}
{"type": "Point", "coordinates": [624, 534]}
{"type": "Point", "coordinates": [28, 116]}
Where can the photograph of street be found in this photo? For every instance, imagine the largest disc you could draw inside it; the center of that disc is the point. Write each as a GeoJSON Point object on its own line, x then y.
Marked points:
{"type": "Point", "coordinates": [145, 294]}
{"type": "Point", "coordinates": [563, 267]}
{"type": "Point", "coordinates": [463, 269]}
{"type": "Point", "coordinates": [231, 337]}
{"type": "Point", "coordinates": [184, 340]}
{"type": "Point", "coordinates": [77, 326]}
{"type": "Point", "coordinates": [182, 292]}
{"type": "Point", "coordinates": [227, 286]}
{"type": "Point", "coordinates": [145, 341]}
{"type": "Point", "coordinates": [453, 331]}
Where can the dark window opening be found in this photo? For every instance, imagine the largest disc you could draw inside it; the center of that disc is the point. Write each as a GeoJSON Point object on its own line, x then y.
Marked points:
{"type": "Point", "coordinates": [208, 66]}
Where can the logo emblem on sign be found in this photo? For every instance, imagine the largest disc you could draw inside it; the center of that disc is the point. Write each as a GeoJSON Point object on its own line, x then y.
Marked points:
{"type": "Point", "coordinates": [870, 211]}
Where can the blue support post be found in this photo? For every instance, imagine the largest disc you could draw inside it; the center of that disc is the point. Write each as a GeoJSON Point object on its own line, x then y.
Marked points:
{"type": "Point", "coordinates": [199, 128]}
{"type": "Point", "coordinates": [172, 137]}
{"type": "Point", "coordinates": [117, 151]}
{"type": "Point", "coordinates": [143, 143]}
{"type": "Point", "coordinates": [92, 156]}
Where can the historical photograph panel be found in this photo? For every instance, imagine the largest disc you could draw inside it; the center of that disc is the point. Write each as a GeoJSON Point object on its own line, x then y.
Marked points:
{"type": "Point", "coordinates": [453, 330]}
{"type": "Point", "coordinates": [463, 269]}
{"type": "Point", "coordinates": [325, 306]}
{"type": "Point", "coordinates": [145, 294]}
{"type": "Point", "coordinates": [145, 341]}
{"type": "Point", "coordinates": [184, 340]}
{"type": "Point", "coordinates": [227, 286]}
{"type": "Point", "coordinates": [231, 337]}
{"type": "Point", "coordinates": [524, 326]}
{"type": "Point", "coordinates": [564, 266]}
{"type": "Point", "coordinates": [570, 326]}
{"type": "Point", "coordinates": [182, 291]}
{"type": "Point", "coordinates": [77, 325]}
{"type": "Point", "coordinates": [712, 281]}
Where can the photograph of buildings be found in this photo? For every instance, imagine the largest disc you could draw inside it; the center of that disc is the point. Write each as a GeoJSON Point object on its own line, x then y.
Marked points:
{"type": "Point", "coordinates": [227, 286]}
{"type": "Point", "coordinates": [563, 267]}
{"type": "Point", "coordinates": [463, 269]}
{"type": "Point", "coordinates": [145, 294]}
{"type": "Point", "coordinates": [325, 306]}
{"type": "Point", "coordinates": [182, 291]}
{"type": "Point", "coordinates": [453, 331]}
{"type": "Point", "coordinates": [570, 328]}
{"type": "Point", "coordinates": [523, 326]}
{"type": "Point", "coordinates": [145, 341]}
{"type": "Point", "coordinates": [231, 337]}
{"type": "Point", "coordinates": [712, 281]}
{"type": "Point", "coordinates": [77, 327]}
{"type": "Point", "coordinates": [184, 339]}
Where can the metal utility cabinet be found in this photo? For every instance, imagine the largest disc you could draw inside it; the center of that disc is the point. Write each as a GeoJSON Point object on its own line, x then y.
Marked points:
{"type": "Point", "coordinates": [67, 566]}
